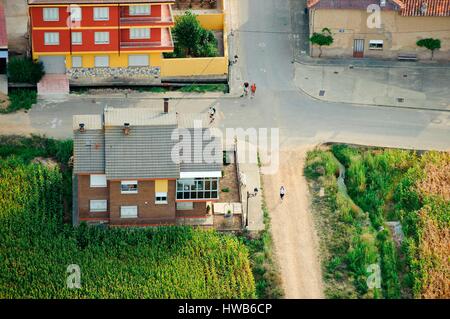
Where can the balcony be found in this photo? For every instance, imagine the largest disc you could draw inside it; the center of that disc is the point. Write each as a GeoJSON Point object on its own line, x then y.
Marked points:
{"type": "Point", "coordinates": [166, 43]}
{"type": "Point", "coordinates": [165, 18]}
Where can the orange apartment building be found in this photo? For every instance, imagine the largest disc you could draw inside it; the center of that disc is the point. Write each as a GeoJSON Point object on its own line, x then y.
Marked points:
{"type": "Point", "coordinates": [102, 40]}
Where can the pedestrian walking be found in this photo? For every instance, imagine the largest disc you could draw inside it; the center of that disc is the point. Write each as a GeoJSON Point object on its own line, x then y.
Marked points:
{"type": "Point", "coordinates": [282, 192]}
{"type": "Point", "coordinates": [253, 90]}
{"type": "Point", "coordinates": [246, 87]}
{"type": "Point", "coordinates": [212, 112]}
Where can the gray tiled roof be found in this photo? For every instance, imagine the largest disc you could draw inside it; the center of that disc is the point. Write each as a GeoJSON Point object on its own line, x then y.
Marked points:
{"type": "Point", "coordinates": [146, 152]}
{"type": "Point", "coordinates": [89, 151]}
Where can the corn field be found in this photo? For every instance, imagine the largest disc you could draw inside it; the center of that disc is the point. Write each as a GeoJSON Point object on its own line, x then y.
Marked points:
{"type": "Point", "coordinates": [169, 262]}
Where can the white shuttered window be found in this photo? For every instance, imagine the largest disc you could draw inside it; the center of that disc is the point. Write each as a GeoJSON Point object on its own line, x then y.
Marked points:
{"type": "Point", "coordinates": [138, 60]}
{"type": "Point", "coordinates": [77, 62]}
{"type": "Point", "coordinates": [141, 10]}
{"type": "Point", "coordinates": [77, 37]}
{"type": "Point", "coordinates": [101, 37]}
{"type": "Point", "coordinates": [51, 14]}
{"type": "Point", "coordinates": [98, 180]}
{"type": "Point", "coordinates": [98, 205]}
{"type": "Point", "coordinates": [101, 61]}
{"type": "Point", "coordinates": [128, 211]}
{"type": "Point", "coordinates": [51, 38]}
{"type": "Point", "coordinates": [139, 33]}
{"type": "Point", "coordinates": [101, 13]}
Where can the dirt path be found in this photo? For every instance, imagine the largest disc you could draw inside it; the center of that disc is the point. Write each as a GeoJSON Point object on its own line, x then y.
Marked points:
{"type": "Point", "coordinates": [296, 243]}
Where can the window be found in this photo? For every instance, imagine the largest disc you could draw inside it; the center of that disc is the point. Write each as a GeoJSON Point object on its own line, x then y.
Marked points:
{"type": "Point", "coordinates": [129, 187]}
{"type": "Point", "coordinates": [161, 198]}
{"type": "Point", "coordinates": [51, 14]}
{"type": "Point", "coordinates": [101, 14]}
{"type": "Point", "coordinates": [98, 180]}
{"type": "Point", "coordinates": [375, 44]}
{"type": "Point", "coordinates": [161, 189]}
{"type": "Point", "coordinates": [141, 10]}
{"type": "Point", "coordinates": [138, 60]}
{"type": "Point", "coordinates": [128, 211]}
{"type": "Point", "coordinates": [98, 206]}
{"type": "Point", "coordinates": [185, 205]}
{"type": "Point", "coordinates": [77, 62]}
{"type": "Point", "coordinates": [101, 37]}
{"type": "Point", "coordinates": [77, 37]}
{"type": "Point", "coordinates": [51, 38]}
{"type": "Point", "coordinates": [101, 61]}
{"type": "Point", "coordinates": [75, 13]}
{"type": "Point", "coordinates": [139, 33]}
{"type": "Point", "coordinates": [198, 188]}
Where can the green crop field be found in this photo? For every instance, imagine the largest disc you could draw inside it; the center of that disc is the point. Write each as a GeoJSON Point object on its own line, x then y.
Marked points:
{"type": "Point", "coordinates": [37, 247]}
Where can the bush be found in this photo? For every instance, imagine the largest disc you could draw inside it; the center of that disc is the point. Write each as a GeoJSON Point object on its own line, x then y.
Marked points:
{"type": "Point", "coordinates": [389, 266]}
{"type": "Point", "coordinates": [20, 99]}
{"type": "Point", "coordinates": [25, 70]}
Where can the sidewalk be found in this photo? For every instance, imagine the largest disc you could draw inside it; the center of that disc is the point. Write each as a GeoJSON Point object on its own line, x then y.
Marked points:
{"type": "Point", "coordinates": [368, 84]}
{"type": "Point", "coordinates": [370, 63]}
{"type": "Point", "coordinates": [251, 179]}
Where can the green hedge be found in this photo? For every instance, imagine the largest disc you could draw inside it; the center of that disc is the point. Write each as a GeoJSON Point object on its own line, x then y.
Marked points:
{"type": "Point", "coordinates": [25, 70]}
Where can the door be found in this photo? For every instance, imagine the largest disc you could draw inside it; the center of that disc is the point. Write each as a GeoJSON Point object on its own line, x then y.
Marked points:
{"type": "Point", "coordinates": [358, 48]}
{"type": "Point", "coordinates": [54, 64]}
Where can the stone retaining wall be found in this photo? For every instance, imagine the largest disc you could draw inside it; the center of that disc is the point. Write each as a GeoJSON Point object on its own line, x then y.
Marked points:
{"type": "Point", "coordinates": [102, 76]}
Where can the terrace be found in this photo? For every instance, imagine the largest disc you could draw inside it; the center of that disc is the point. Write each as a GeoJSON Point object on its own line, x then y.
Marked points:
{"type": "Point", "coordinates": [166, 43]}
{"type": "Point", "coordinates": [164, 17]}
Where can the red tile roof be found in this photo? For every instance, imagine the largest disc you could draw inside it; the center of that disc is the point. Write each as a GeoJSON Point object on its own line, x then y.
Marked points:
{"type": "Point", "coordinates": [425, 8]}
{"type": "Point", "coordinates": [411, 8]}
{"type": "Point", "coordinates": [349, 4]}
{"type": "Point", "coordinates": [65, 2]}
{"type": "Point", "coordinates": [3, 34]}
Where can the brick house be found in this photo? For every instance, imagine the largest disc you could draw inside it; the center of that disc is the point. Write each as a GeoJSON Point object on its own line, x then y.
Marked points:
{"type": "Point", "coordinates": [126, 171]}
{"type": "Point", "coordinates": [102, 40]}
{"type": "Point", "coordinates": [357, 34]}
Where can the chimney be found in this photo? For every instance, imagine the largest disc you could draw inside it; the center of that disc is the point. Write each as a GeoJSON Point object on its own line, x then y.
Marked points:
{"type": "Point", "coordinates": [82, 129]}
{"type": "Point", "coordinates": [126, 128]}
{"type": "Point", "coordinates": [166, 105]}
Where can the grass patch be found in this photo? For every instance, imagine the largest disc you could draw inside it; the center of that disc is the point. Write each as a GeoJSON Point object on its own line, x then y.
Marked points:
{"type": "Point", "coordinates": [263, 263]}
{"type": "Point", "coordinates": [203, 88]}
{"type": "Point", "coordinates": [262, 256]}
{"type": "Point", "coordinates": [20, 99]}
{"type": "Point", "coordinates": [413, 189]}
{"type": "Point", "coordinates": [153, 89]}
{"type": "Point", "coordinates": [347, 240]}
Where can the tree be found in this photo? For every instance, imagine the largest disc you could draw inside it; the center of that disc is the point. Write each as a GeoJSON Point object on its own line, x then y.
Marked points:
{"type": "Point", "coordinates": [431, 44]}
{"type": "Point", "coordinates": [191, 39]}
{"type": "Point", "coordinates": [25, 70]}
{"type": "Point", "coordinates": [321, 39]}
